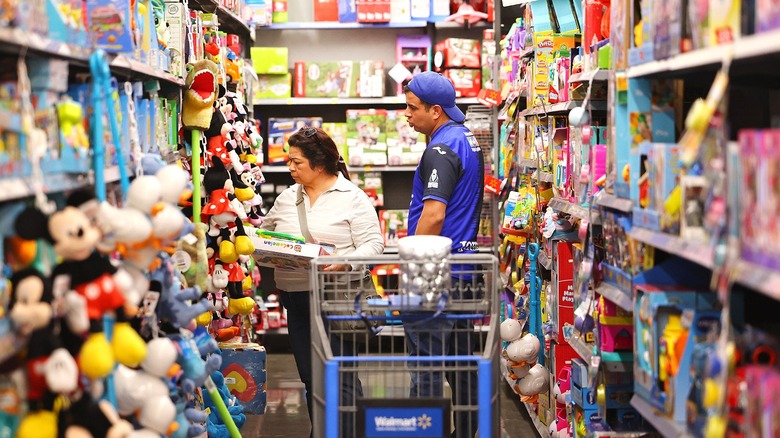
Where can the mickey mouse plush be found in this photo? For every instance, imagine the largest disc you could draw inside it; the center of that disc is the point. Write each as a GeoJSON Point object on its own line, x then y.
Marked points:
{"type": "Point", "coordinates": [84, 271]}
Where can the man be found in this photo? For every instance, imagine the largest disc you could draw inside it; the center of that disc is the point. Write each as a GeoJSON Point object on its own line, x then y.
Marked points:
{"type": "Point", "coordinates": [446, 200]}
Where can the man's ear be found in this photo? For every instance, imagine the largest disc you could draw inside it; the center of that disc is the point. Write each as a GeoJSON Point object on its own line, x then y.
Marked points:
{"type": "Point", "coordinates": [437, 111]}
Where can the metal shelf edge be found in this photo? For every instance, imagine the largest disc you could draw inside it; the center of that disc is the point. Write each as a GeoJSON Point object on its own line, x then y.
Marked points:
{"type": "Point", "coordinates": [664, 426]}
{"type": "Point", "coordinates": [692, 251]}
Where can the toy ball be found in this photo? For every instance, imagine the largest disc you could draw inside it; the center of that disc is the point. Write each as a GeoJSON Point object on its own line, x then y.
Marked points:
{"type": "Point", "coordinates": [525, 349]}
{"type": "Point", "coordinates": [510, 330]}
{"type": "Point", "coordinates": [537, 381]}
{"type": "Point", "coordinates": [578, 117]}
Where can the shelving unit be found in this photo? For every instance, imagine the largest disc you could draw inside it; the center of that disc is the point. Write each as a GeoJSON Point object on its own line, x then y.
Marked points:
{"type": "Point", "coordinates": [578, 211]}
{"type": "Point", "coordinates": [759, 278]}
{"type": "Point", "coordinates": [543, 430]}
{"type": "Point", "coordinates": [594, 75]}
{"type": "Point", "coordinates": [326, 25]}
{"type": "Point", "coordinates": [379, 101]}
{"type": "Point", "coordinates": [283, 169]}
{"type": "Point", "coordinates": [663, 425]}
{"type": "Point", "coordinates": [562, 108]}
{"type": "Point", "coordinates": [611, 201]}
{"type": "Point", "coordinates": [584, 350]}
{"type": "Point", "coordinates": [228, 20]}
{"type": "Point", "coordinates": [623, 299]}
{"type": "Point", "coordinates": [765, 45]}
{"type": "Point", "coordinates": [693, 251]}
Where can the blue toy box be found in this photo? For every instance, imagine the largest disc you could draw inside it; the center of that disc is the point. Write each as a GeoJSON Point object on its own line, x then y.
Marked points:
{"type": "Point", "coordinates": [243, 365]}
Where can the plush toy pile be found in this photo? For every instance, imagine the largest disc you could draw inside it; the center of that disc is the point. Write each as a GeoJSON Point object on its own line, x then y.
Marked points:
{"type": "Point", "coordinates": [113, 312]}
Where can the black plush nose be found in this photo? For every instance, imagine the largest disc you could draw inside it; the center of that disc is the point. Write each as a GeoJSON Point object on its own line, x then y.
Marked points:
{"type": "Point", "coordinates": [80, 233]}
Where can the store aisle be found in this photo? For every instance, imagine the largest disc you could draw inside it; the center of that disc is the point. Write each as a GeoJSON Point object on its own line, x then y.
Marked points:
{"type": "Point", "coordinates": [285, 414]}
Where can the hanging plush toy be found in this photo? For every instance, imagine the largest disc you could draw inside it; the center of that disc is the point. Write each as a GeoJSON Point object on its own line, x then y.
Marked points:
{"type": "Point", "coordinates": [200, 93]}
{"type": "Point", "coordinates": [84, 271]}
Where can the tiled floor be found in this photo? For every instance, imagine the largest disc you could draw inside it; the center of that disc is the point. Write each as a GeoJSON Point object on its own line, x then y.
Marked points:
{"type": "Point", "coordinates": [286, 416]}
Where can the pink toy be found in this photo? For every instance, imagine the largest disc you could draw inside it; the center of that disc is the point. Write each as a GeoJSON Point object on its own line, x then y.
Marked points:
{"type": "Point", "coordinates": [616, 337]}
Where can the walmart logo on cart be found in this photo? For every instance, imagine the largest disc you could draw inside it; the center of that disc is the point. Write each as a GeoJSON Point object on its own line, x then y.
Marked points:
{"type": "Point", "coordinates": [397, 422]}
{"type": "Point", "coordinates": [403, 423]}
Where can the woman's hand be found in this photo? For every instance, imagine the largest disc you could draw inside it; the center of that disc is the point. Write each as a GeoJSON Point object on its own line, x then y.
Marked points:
{"type": "Point", "coordinates": [332, 268]}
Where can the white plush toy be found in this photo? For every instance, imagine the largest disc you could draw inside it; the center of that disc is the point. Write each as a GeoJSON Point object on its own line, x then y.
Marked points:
{"type": "Point", "coordinates": [525, 349]}
{"type": "Point", "coordinates": [510, 330]}
{"type": "Point", "coordinates": [537, 381]}
{"type": "Point", "coordinates": [144, 392]}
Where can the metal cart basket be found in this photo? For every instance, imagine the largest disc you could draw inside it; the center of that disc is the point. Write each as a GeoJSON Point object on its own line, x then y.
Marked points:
{"type": "Point", "coordinates": [413, 365]}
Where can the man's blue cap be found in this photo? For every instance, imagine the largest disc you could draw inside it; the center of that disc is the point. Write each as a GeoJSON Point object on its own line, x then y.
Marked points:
{"type": "Point", "coordinates": [433, 88]}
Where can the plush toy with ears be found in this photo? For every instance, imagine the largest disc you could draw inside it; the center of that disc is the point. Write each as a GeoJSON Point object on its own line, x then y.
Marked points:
{"type": "Point", "coordinates": [84, 271]}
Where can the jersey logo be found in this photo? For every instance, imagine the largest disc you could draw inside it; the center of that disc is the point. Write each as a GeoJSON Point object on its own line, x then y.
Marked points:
{"type": "Point", "coordinates": [433, 181]}
{"type": "Point", "coordinates": [438, 148]}
{"type": "Point", "coordinates": [472, 142]}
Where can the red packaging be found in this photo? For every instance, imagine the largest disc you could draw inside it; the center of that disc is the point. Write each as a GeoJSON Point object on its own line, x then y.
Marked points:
{"type": "Point", "coordinates": [467, 81]}
{"type": "Point", "coordinates": [326, 10]}
{"type": "Point", "coordinates": [457, 53]}
{"type": "Point", "coordinates": [563, 300]}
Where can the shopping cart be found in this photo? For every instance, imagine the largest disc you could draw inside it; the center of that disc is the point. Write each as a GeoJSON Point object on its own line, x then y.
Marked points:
{"type": "Point", "coordinates": [370, 383]}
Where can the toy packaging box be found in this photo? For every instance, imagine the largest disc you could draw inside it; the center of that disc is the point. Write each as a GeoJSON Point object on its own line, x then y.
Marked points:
{"type": "Point", "coordinates": [279, 130]}
{"type": "Point", "coordinates": [269, 60]}
{"type": "Point", "coordinates": [326, 10]}
{"type": "Point", "coordinates": [366, 137]}
{"type": "Point", "coordinates": [394, 225]}
{"type": "Point", "coordinates": [177, 18]}
{"type": "Point", "coordinates": [373, 11]}
{"type": "Point", "coordinates": [467, 81]}
{"type": "Point", "coordinates": [457, 53]}
{"type": "Point", "coordinates": [285, 254]}
{"type": "Point", "coordinates": [339, 79]}
{"type": "Point", "coordinates": [562, 304]}
{"type": "Point", "coordinates": [371, 183]}
{"type": "Point", "coordinates": [273, 86]}
{"type": "Point", "coordinates": [338, 133]}
{"type": "Point", "coordinates": [109, 25]}
{"type": "Point", "coordinates": [545, 46]}
{"type": "Point", "coordinates": [405, 146]}
{"type": "Point", "coordinates": [243, 365]}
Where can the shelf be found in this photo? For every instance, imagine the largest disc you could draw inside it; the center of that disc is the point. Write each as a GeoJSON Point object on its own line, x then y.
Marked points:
{"type": "Point", "coordinates": [599, 75]}
{"type": "Point", "coordinates": [545, 260]}
{"type": "Point", "coordinates": [335, 25]}
{"type": "Point", "coordinates": [578, 211]}
{"type": "Point", "coordinates": [128, 67]}
{"type": "Point", "coordinates": [764, 280]}
{"type": "Point", "coordinates": [584, 350]}
{"type": "Point", "coordinates": [752, 46]}
{"type": "Point", "coordinates": [273, 331]}
{"type": "Point", "coordinates": [562, 107]}
{"type": "Point", "coordinates": [528, 162]}
{"type": "Point", "coordinates": [663, 425]}
{"type": "Point", "coordinates": [139, 68]}
{"type": "Point", "coordinates": [229, 22]}
{"type": "Point", "coordinates": [22, 187]}
{"type": "Point", "coordinates": [611, 201]}
{"type": "Point", "coordinates": [386, 100]}
{"type": "Point", "coordinates": [284, 169]}
{"type": "Point", "coordinates": [674, 245]}
{"type": "Point", "coordinates": [616, 295]}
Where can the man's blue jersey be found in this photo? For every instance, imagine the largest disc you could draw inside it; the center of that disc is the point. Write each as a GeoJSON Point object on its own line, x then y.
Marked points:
{"type": "Point", "coordinates": [451, 170]}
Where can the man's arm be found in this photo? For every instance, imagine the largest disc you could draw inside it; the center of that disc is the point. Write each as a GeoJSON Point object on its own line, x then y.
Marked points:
{"type": "Point", "coordinates": [431, 218]}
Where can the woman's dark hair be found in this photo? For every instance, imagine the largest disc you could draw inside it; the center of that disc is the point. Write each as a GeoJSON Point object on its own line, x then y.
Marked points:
{"type": "Point", "coordinates": [317, 146]}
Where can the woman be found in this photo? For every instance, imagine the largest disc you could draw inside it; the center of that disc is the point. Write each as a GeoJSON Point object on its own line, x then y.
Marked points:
{"type": "Point", "coordinates": [338, 213]}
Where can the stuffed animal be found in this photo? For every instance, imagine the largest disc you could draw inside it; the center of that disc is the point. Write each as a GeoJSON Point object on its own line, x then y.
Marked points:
{"type": "Point", "coordinates": [51, 370]}
{"type": "Point", "coordinates": [215, 426]}
{"type": "Point", "coordinates": [84, 271]}
{"type": "Point", "coordinates": [199, 94]}
{"type": "Point", "coordinates": [192, 351]}
{"type": "Point", "coordinates": [175, 304]}
{"type": "Point", "coordinates": [83, 417]}
{"type": "Point", "coordinates": [189, 420]}
{"type": "Point", "coordinates": [144, 392]}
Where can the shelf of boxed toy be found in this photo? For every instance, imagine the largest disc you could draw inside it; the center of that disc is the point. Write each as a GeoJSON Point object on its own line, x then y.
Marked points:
{"type": "Point", "coordinates": [661, 423]}
{"type": "Point", "coordinates": [387, 100]}
{"type": "Point", "coordinates": [229, 21]}
{"type": "Point", "coordinates": [33, 42]}
{"type": "Point", "coordinates": [335, 25]}
{"type": "Point", "coordinates": [284, 169]}
{"type": "Point", "coordinates": [676, 245]}
{"type": "Point", "coordinates": [562, 108]}
{"type": "Point", "coordinates": [751, 46]}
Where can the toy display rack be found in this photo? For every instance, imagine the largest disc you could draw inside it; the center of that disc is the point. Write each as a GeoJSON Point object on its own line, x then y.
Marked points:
{"type": "Point", "coordinates": [687, 249]}
{"type": "Point", "coordinates": [752, 46]}
{"type": "Point", "coordinates": [16, 40]}
{"type": "Point", "coordinates": [228, 20]}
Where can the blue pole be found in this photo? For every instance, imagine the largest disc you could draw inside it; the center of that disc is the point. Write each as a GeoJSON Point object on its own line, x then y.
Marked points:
{"type": "Point", "coordinates": [484, 394]}
{"type": "Point", "coordinates": [331, 399]}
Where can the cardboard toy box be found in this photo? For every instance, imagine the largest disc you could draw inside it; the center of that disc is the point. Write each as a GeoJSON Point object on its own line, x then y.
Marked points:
{"type": "Point", "coordinates": [545, 47]}
{"type": "Point", "coordinates": [243, 365]}
{"type": "Point", "coordinates": [366, 137]}
{"type": "Point", "coordinates": [467, 81]}
{"type": "Point", "coordinates": [339, 79]}
{"type": "Point", "coordinates": [405, 146]}
{"type": "Point", "coordinates": [338, 132]}
{"type": "Point", "coordinates": [279, 130]}
{"type": "Point", "coordinates": [273, 86]}
{"type": "Point", "coordinates": [394, 225]}
{"type": "Point", "coordinates": [285, 254]}
{"type": "Point", "coordinates": [371, 183]}
{"type": "Point", "coordinates": [457, 53]}
{"type": "Point", "coordinates": [269, 60]}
